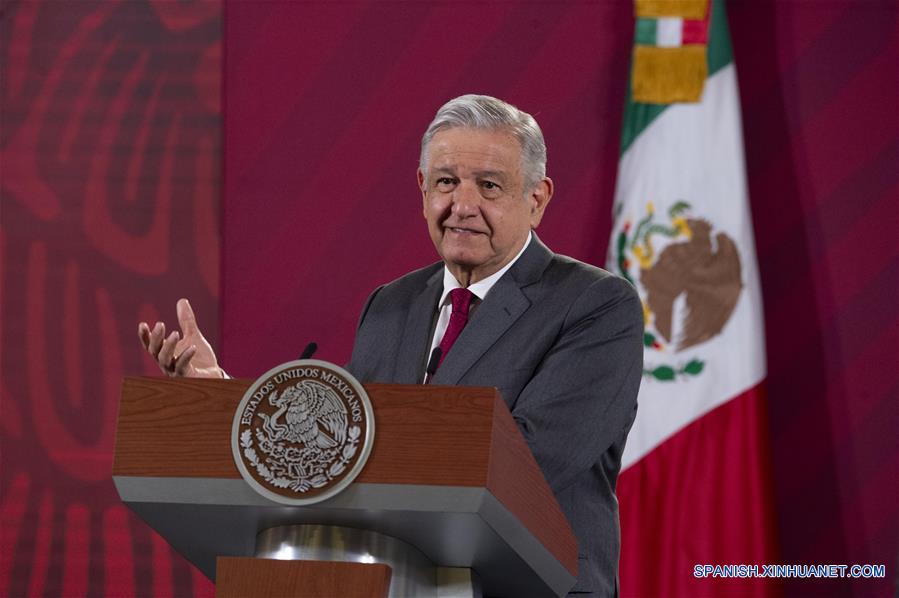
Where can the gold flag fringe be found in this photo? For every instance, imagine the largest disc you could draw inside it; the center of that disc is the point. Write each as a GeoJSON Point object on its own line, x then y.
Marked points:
{"type": "Point", "coordinates": [687, 9]}
{"type": "Point", "coordinates": [667, 75]}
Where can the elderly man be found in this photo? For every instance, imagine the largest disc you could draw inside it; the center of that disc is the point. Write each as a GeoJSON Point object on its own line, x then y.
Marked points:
{"type": "Point", "coordinates": [560, 339]}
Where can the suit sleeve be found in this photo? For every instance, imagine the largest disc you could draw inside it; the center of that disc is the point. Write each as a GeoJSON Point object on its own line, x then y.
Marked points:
{"type": "Point", "coordinates": [355, 363]}
{"type": "Point", "coordinates": [368, 302]}
{"type": "Point", "coordinates": [583, 397]}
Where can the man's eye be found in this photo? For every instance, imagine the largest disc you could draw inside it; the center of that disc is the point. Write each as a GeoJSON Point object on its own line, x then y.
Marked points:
{"type": "Point", "coordinates": [490, 189]}
{"type": "Point", "coordinates": [446, 181]}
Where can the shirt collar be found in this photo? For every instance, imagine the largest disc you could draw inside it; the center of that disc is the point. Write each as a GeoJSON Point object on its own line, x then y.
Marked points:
{"type": "Point", "coordinates": [482, 287]}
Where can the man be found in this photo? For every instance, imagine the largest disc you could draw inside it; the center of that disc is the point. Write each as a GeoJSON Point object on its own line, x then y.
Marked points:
{"type": "Point", "coordinates": [560, 339]}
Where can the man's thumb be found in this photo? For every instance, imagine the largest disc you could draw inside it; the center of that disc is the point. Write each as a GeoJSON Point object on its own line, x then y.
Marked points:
{"type": "Point", "coordinates": [186, 317]}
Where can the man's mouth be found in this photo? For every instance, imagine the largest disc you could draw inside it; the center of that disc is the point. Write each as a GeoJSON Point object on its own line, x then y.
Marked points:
{"type": "Point", "coordinates": [463, 231]}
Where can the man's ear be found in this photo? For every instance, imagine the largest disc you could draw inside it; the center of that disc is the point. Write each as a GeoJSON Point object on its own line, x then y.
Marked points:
{"type": "Point", "coordinates": [539, 198]}
{"type": "Point", "coordinates": [423, 186]}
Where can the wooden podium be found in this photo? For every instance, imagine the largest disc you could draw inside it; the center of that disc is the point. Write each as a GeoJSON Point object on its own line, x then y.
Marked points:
{"type": "Point", "coordinates": [449, 474]}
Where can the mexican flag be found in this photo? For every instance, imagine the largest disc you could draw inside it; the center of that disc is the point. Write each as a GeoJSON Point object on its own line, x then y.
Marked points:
{"type": "Point", "coordinates": [695, 487]}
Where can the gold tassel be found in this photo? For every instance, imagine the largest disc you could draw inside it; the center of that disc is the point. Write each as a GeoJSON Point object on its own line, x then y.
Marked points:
{"type": "Point", "coordinates": [687, 9]}
{"type": "Point", "coordinates": [667, 75]}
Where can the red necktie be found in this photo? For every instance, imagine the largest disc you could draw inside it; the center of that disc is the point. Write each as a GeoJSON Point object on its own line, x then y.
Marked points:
{"type": "Point", "coordinates": [461, 299]}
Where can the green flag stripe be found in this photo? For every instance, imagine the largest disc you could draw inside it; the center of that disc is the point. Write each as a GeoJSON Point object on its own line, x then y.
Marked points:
{"type": "Point", "coordinates": [638, 116]}
{"type": "Point", "coordinates": [645, 33]}
{"type": "Point", "coordinates": [719, 50]}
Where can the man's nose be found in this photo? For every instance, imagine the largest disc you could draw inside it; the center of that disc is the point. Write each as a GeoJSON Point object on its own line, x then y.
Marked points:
{"type": "Point", "coordinates": [466, 200]}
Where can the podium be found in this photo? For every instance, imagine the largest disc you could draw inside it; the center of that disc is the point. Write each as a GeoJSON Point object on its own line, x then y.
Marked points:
{"type": "Point", "coordinates": [450, 488]}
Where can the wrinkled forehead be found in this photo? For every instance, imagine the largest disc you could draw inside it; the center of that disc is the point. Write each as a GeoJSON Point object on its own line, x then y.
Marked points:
{"type": "Point", "coordinates": [479, 148]}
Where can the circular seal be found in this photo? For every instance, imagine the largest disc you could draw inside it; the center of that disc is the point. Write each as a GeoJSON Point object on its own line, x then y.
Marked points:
{"type": "Point", "coordinates": [302, 432]}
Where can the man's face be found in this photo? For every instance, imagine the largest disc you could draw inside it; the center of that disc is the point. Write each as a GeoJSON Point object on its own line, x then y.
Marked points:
{"type": "Point", "coordinates": [478, 210]}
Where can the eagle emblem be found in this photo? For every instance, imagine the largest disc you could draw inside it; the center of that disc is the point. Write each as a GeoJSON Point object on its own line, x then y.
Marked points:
{"type": "Point", "coordinates": [314, 416]}
{"type": "Point", "coordinates": [689, 278]}
{"type": "Point", "coordinates": [303, 432]}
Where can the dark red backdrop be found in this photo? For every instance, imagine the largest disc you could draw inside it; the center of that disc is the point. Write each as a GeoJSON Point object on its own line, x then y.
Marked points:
{"type": "Point", "coordinates": [110, 183]}
{"type": "Point", "coordinates": [110, 150]}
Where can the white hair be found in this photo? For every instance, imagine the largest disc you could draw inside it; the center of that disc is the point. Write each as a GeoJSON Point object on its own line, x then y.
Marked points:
{"type": "Point", "coordinates": [485, 112]}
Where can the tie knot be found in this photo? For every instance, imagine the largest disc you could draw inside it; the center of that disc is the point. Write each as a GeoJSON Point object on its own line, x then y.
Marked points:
{"type": "Point", "coordinates": [461, 299]}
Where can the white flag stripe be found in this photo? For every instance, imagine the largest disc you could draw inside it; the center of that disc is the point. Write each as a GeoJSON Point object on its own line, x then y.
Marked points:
{"type": "Point", "coordinates": [668, 32]}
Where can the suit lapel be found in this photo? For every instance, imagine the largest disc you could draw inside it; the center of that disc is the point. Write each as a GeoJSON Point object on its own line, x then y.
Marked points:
{"type": "Point", "coordinates": [414, 345]}
{"type": "Point", "coordinates": [504, 304]}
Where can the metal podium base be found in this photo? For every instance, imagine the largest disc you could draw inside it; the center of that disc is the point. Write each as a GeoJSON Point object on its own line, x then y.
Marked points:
{"type": "Point", "coordinates": [413, 574]}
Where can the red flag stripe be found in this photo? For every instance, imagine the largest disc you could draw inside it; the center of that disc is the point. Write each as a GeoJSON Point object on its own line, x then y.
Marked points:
{"type": "Point", "coordinates": [696, 31]}
{"type": "Point", "coordinates": [674, 500]}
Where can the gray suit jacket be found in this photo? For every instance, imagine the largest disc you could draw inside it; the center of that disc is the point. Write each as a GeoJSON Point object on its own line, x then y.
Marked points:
{"type": "Point", "coordinates": [562, 341]}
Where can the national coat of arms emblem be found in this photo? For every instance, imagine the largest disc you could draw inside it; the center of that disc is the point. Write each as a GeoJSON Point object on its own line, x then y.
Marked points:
{"type": "Point", "coordinates": [303, 432]}
{"type": "Point", "coordinates": [689, 279]}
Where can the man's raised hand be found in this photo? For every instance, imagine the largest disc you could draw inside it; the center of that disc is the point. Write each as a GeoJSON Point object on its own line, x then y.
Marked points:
{"type": "Point", "coordinates": [187, 353]}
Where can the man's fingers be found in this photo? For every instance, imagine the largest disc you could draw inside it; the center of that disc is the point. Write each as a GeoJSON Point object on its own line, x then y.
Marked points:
{"type": "Point", "coordinates": [186, 317]}
{"type": "Point", "coordinates": [143, 332]}
{"type": "Point", "coordinates": [157, 335]}
{"type": "Point", "coordinates": [167, 352]}
{"type": "Point", "coordinates": [182, 363]}
{"type": "Point", "coordinates": [174, 353]}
